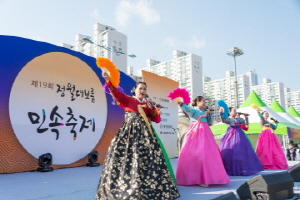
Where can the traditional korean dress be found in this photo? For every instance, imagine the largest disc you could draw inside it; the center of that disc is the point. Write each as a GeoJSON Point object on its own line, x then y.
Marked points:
{"type": "Point", "coordinates": [157, 120]}
{"type": "Point", "coordinates": [237, 153]}
{"type": "Point", "coordinates": [268, 148]}
{"type": "Point", "coordinates": [135, 168]}
{"type": "Point", "coordinates": [199, 161]}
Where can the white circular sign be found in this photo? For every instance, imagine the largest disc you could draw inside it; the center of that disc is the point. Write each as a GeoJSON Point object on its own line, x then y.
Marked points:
{"type": "Point", "coordinates": [57, 106]}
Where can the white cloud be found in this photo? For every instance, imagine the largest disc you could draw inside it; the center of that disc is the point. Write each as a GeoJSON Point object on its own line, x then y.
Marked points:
{"type": "Point", "coordinates": [139, 8]}
{"type": "Point", "coordinates": [194, 42]}
{"type": "Point", "coordinates": [95, 14]}
{"type": "Point", "coordinates": [123, 12]}
{"type": "Point", "coordinates": [171, 41]}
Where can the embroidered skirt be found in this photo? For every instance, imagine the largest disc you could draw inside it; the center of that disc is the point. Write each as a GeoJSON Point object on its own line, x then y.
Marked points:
{"type": "Point", "coordinates": [134, 167]}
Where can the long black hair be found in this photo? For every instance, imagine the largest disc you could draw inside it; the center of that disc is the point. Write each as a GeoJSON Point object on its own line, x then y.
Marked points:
{"type": "Point", "coordinates": [133, 89]}
{"type": "Point", "coordinates": [230, 108]}
{"type": "Point", "coordinates": [197, 99]}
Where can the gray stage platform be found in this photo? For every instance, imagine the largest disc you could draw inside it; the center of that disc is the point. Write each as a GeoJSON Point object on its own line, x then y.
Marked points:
{"type": "Point", "coordinates": [80, 184]}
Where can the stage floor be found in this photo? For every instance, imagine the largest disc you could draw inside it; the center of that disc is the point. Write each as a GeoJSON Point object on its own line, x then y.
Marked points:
{"type": "Point", "coordinates": [80, 184]}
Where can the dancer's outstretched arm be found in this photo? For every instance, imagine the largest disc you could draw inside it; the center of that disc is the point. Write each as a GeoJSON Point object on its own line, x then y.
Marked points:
{"type": "Point", "coordinates": [188, 110]}
{"type": "Point", "coordinates": [119, 96]}
{"type": "Point", "coordinates": [224, 120]}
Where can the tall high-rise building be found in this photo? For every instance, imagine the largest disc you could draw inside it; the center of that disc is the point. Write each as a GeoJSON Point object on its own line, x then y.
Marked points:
{"type": "Point", "coordinates": [107, 37]}
{"type": "Point", "coordinates": [293, 99]}
{"type": "Point", "coordinates": [252, 77]}
{"type": "Point", "coordinates": [287, 97]}
{"type": "Point", "coordinates": [184, 68]}
{"type": "Point", "coordinates": [269, 91]}
{"type": "Point", "coordinates": [130, 70]}
{"type": "Point", "coordinates": [225, 89]}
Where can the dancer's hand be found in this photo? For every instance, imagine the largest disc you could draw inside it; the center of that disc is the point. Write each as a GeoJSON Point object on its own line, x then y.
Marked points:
{"type": "Point", "coordinates": [220, 110]}
{"type": "Point", "coordinates": [105, 76]}
{"type": "Point", "coordinates": [257, 111]}
{"type": "Point", "coordinates": [150, 102]}
{"type": "Point", "coordinates": [157, 105]}
{"type": "Point", "coordinates": [179, 102]}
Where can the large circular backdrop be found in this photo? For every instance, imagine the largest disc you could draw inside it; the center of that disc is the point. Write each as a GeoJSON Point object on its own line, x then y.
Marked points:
{"type": "Point", "coordinates": [57, 104]}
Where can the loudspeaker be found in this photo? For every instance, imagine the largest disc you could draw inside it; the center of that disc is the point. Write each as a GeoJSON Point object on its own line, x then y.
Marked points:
{"type": "Point", "coordinates": [275, 186]}
{"type": "Point", "coordinates": [295, 172]}
{"type": "Point", "coordinates": [228, 196]}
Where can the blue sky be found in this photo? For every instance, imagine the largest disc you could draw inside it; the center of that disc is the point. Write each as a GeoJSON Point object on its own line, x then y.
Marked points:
{"type": "Point", "coordinates": [268, 31]}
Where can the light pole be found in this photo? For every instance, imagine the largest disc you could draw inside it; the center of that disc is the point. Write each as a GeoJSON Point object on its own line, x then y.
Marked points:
{"type": "Point", "coordinates": [111, 49]}
{"type": "Point", "coordinates": [235, 52]}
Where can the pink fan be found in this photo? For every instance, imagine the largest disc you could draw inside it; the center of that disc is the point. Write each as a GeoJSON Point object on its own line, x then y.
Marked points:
{"type": "Point", "coordinates": [180, 94]}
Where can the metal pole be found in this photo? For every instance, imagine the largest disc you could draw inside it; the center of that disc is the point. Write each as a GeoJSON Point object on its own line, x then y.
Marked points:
{"type": "Point", "coordinates": [236, 84]}
{"type": "Point", "coordinates": [286, 142]}
{"type": "Point", "coordinates": [235, 52]}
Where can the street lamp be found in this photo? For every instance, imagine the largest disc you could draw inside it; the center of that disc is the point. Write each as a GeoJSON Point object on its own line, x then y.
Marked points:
{"type": "Point", "coordinates": [235, 52]}
{"type": "Point", "coordinates": [111, 49]}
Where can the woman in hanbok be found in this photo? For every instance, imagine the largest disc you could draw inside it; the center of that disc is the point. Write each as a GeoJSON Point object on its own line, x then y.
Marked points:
{"type": "Point", "coordinates": [245, 128]}
{"type": "Point", "coordinates": [167, 160]}
{"type": "Point", "coordinates": [237, 153]}
{"type": "Point", "coordinates": [199, 161]}
{"type": "Point", "coordinates": [268, 148]}
{"type": "Point", "coordinates": [135, 167]}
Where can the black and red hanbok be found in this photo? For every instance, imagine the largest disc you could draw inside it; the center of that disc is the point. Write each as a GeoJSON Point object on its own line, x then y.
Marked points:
{"type": "Point", "coordinates": [135, 168]}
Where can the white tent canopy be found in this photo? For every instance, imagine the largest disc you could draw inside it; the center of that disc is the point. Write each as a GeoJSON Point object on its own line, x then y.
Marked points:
{"type": "Point", "coordinates": [292, 111]}
{"type": "Point", "coordinates": [275, 106]}
{"type": "Point", "coordinates": [254, 117]}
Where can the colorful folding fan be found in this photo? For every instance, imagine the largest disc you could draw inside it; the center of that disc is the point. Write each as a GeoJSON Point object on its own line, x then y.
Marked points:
{"type": "Point", "coordinates": [181, 95]}
{"type": "Point", "coordinates": [107, 66]}
{"type": "Point", "coordinates": [254, 106]}
{"type": "Point", "coordinates": [224, 106]}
